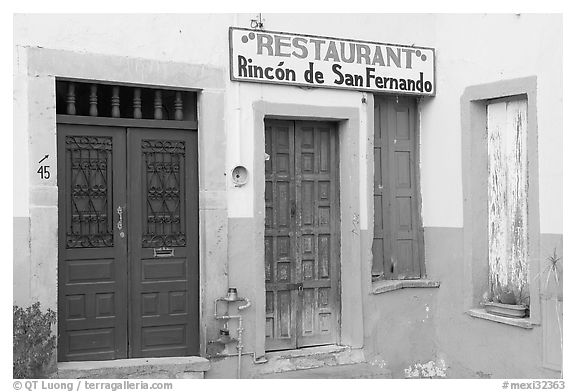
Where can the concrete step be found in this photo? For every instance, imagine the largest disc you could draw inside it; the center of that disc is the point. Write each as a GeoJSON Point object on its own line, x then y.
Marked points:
{"type": "Point", "coordinates": [357, 370]}
{"type": "Point", "coordinates": [172, 367]}
{"type": "Point", "coordinates": [309, 358]}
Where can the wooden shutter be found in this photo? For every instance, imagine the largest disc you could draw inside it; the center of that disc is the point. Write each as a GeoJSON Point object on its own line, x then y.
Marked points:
{"type": "Point", "coordinates": [397, 248]}
{"type": "Point", "coordinates": [508, 198]}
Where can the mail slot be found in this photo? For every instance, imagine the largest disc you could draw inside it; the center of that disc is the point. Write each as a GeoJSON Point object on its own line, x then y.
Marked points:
{"type": "Point", "coordinates": [163, 252]}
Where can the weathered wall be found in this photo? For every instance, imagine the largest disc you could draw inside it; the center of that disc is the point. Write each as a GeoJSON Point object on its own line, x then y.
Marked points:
{"type": "Point", "coordinates": [21, 271]}
{"type": "Point", "coordinates": [487, 48]}
{"type": "Point", "coordinates": [411, 326]}
{"type": "Point", "coordinates": [402, 327]}
{"type": "Point", "coordinates": [474, 347]}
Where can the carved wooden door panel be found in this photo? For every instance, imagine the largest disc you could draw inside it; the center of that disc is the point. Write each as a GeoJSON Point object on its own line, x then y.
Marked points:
{"type": "Point", "coordinates": [280, 237]}
{"type": "Point", "coordinates": [92, 254]}
{"type": "Point", "coordinates": [302, 243]}
{"type": "Point", "coordinates": [163, 218]}
{"type": "Point", "coordinates": [318, 233]}
{"type": "Point", "coordinates": [128, 243]}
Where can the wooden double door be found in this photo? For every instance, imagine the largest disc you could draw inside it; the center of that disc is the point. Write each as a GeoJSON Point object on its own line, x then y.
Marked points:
{"type": "Point", "coordinates": [128, 242]}
{"type": "Point", "coordinates": [302, 234]}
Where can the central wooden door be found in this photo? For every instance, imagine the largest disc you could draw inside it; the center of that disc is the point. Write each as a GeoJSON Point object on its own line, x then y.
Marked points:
{"type": "Point", "coordinates": [128, 242]}
{"type": "Point", "coordinates": [302, 234]}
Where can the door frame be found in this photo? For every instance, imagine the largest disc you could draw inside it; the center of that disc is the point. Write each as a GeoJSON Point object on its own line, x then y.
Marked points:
{"type": "Point", "coordinates": [38, 278]}
{"type": "Point", "coordinates": [353, 206]}
{"type": "Point", "coordinates": [129, 126]}
{"type": "Point", "coordinates": [295, 126]}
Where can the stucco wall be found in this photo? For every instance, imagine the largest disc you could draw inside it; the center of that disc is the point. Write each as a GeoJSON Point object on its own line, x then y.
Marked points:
{"type": "Point", "coordinates": [486, 48]}
{"type": "Point", "coordinates": [470, 49]}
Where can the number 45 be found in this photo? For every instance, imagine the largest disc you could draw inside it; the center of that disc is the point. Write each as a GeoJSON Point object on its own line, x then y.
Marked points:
{"type": "Point", "coordinates": [44, 172]}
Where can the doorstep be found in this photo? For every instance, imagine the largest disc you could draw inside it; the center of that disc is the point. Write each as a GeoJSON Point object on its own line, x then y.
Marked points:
{"type": "Point", "coordinates": [309, 358]}
{"type": "Point", "coordinates": [139, 368]}
{"type": "Point", "coordinates": [358, 370]}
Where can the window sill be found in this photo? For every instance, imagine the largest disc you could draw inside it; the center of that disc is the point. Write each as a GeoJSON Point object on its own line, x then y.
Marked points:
{"type": "Point", "coordinates": [525, 323]}
{"type": "Point", "coordinates": [384, 286]}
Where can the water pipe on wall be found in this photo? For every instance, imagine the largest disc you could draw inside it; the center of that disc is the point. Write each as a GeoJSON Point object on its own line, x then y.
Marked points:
{"type": "Point", "coordinates": [232, 297]}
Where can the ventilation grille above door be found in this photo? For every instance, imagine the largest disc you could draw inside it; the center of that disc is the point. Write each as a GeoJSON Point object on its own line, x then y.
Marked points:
{"type": "Point", "coordinates": [119, 101]}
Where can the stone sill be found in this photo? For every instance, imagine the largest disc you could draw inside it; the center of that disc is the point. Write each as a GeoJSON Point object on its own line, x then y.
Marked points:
{"type": "Point", "coordinates": [525, 323]}
{"type": "Point", "coordinates": [384, 286]}
{"type": "Point", "coordinates": [165, 367]}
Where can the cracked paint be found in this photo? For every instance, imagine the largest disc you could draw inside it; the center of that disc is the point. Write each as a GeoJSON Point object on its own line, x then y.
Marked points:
{"type": "Point", "coordinates": [429, 369]}
{"type": "Point", "coordinates": [507, 209]}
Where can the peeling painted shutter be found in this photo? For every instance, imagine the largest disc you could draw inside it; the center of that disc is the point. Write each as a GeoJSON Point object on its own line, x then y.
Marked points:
{"type": "Point", "coordinates": [507, 199]}
{"type": "Point", "coordinates": [397, 241]}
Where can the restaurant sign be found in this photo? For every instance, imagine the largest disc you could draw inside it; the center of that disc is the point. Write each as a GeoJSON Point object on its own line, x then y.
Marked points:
{"type": "Point", "coordinates": [313, 61]}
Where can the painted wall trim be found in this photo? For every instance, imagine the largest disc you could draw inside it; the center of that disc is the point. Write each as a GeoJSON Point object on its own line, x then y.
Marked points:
{"type": "Point", "coordinates": [348, 118]}
{"type": "Point", "coordinates": [475, 183]}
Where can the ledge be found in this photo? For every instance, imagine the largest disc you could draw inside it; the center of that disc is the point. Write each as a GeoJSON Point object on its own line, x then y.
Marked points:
{"type": "Point", "coordinates": [166, 367]}
{"type": "Point", "coordinates": [525, 323]}
{"type": "Point", "coordinates": [384, 286]}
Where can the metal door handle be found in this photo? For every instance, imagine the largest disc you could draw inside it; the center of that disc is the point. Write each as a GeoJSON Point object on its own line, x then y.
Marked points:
{"type": "Point", "coordinates": [119, 211]}
{"type": "Point", "coordinates": [120, 224]}
{"type": "Point", "coordinates": [292, 208]}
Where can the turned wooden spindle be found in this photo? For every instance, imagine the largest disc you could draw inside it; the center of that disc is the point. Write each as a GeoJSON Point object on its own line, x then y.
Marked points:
{"type": "Point", "coordinates": [93, 100]}
{"type": "Point", "coordinates": [137, 103]}
{"type": "Point", "coordinates": [115, 101]}
{"type": "Point", "coordinates": [178, 106]}
{"type": "Point", "coordinates": [158, 105]}
{"type": "Point", "coordinates": [71, 99]}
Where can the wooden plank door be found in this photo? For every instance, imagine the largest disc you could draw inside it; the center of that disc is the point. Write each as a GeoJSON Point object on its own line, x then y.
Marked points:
{"type": "Point", "coordinates": [163, 247]}
{"type": "Point", "coordinates": [92, 295]}
{"type": "Point", "coordinates": [302, 235]}
{"type": "Point", "coordinates": [280, 236]}
{"type": "Point", "coordinates": [317, 233]}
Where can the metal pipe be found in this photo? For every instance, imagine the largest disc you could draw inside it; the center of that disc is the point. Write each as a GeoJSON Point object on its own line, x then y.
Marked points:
{"type": "Point", "coordinates": [239, 347]}
{"type": "Point", "coordinates": [248, 304]}
{"type": "Point", "coordinates": [240, 329]}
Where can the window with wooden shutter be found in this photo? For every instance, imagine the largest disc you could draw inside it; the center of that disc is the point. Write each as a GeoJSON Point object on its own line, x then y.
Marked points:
{"type": "Point", "coordinates": [508, 200]}
{"type": "Point", "coordinates": [398, 246]}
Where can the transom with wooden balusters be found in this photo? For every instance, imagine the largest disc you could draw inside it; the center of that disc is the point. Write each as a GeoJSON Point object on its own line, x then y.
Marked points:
{"type": "Point", "coordinates": [76, 98]}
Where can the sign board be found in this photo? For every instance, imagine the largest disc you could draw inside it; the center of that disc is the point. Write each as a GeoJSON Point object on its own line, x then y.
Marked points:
{"type": "Point", "coordinates": [313, 61]}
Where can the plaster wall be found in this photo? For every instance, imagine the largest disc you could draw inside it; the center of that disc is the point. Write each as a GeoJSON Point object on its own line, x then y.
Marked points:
{"type": "Point", "coordinates": [486, 48]}
{"type": "Point", "coordinates": [402, 327]}
{"type": "Point", "coordinates": [410, 326]}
